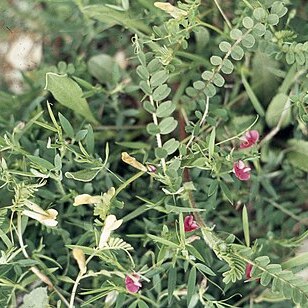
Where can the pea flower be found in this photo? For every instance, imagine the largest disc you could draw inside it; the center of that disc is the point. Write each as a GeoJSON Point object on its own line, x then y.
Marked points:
{"type": "Point", "coordinates": [79, 256]}
{"type": "Point", "coordinates": [190, 224]}
{"type": "Point", "coordinates": [241, 171]}
{"type": "Point", "coordinates": [111, 224]}
{"type": "Point", "coordinates": [249, 139]}
{"type": "Point", "coordinates": [248, 270]}
{"type": "Point", "coordinates": [86, 199]}
{"type": "Point", "coordinates": [132, 283]}
{"type": "Point", "coordinates": [47, 218]}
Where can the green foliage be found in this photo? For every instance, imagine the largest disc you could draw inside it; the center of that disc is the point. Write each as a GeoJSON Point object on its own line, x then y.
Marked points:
{"type": "Point", "coordinates": [120, 155]}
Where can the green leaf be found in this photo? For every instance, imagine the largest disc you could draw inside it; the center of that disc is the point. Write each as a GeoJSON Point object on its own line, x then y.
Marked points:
{"type": "Point", "coordinates": [248, 22]}
{"type": "Point", "coordinates": [265, 279]}
{"type": "Point", "coordinates": [279, 110]}
{"type": "Point", "coordinates": [273, 19]}
{"type": "Point", "coordinates": [248, 41]}
{"type": "Point", "coordinates": [218, 80]}
{"type": "Point", "coordinates": [41, 162]}
{"type": "Point", "coordinates": [142, 72]}
{"type": "Point", "coordinates": [212, 188]}
{"type": "Point", "coordinates": [259, 14]}
{"type": "Point", "coordinates": [165, 109]}
{"type": "Point", "coordinates": [299, 260]}
{"type": "Point", "coordinates": [191, 285]}
{"type": "Point", "coordinates": [210, 90]}
{"type": "Point", "coordinates": [215, 60]}
{"type": "Point", "coordinates": [89, 140]}
{"type": "Point", "coordinates": [112, 17]}
{"type": "Point", "coordinates": [161, 153]}
{"type": "Point", "coordinates": [254, 100]}
{"type": "Point", "coordinates": [161, 92]}
{"type": "Point", "coordinates": [224, 46]}
{"type": "Point", "coordinates": [171, 145]}
{"type": "Point", "coordinates": [171, 283]}
{"type": "Point", "coordinates": [297, 153]}
{"type": "Point", "coordinates": [66, 125]}
{"type": "Point", "coordinates": [144, 86]}
{"type": "Point", "coordinates": [167, 125]}
{"type": "Point", "coordinates": [279, 9]}
{"type": "Point", "coordinates": [259, 29]}
{"type": "Point", "coordinates": [199, 85]}
{"type": "Point", "coordinates": [226, 191]}
{"type": "Point", "coordinates": [148, 107]}
{"type": "Point", "coordinates": [142, 304]}
{"type": "Point", "coordinates": [153, 129]}
{"type": "Point", "coordinates": [163, 241]}
{"type": "Point", "coordinates": [86, 175]}
{"type": "Point", "coordinates": [159, 78]}
{"type": "Point", "coordinates": [205, 269]}
{"type": "Point", "coordinates": [246, 226]}
{"type": "Point", "coordinates": [235, 34]}
{"type": "Point", "coordinates": [207, 75]}
{"type": "Point", "coordinates": [212, 143]}
{"type": "Point", "coordinates": [37, 298]}
{"type": "Point", "coordinates": [237, 53]}
{"type": "Point", "coordinates": [103, 67]}
{"type": "Point", "coordinates": [68, 93]}
{"type": "Point", "coordinates": [227, 67]}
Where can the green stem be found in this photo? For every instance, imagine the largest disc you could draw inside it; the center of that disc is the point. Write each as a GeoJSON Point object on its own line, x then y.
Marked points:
{"type": "Point", "coordinates": [126, 183]}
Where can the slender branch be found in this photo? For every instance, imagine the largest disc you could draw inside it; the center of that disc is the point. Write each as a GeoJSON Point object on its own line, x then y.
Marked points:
{"type": "Point", "coordinates": [223, 14]}
{"type": "Point", "coordinates": [158, 137]}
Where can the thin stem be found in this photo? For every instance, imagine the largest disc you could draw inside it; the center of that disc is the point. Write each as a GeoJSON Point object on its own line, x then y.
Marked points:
{"type": "Point", "coordinates": [34, 269]}
{"type": "Point", "coordinates": [158, 137]}
{"type": "Point", "coordinates": [74, 290]}
{"type": "Point", "coordinates": [126, 183]}
{"type": "Point", "coordinates": [223, 14]}
{"type": "Point", "coordinates": [206, 111]}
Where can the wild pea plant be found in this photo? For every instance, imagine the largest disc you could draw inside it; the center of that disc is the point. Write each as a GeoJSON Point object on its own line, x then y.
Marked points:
{"type": "Point", "coordinates": [164, 163]}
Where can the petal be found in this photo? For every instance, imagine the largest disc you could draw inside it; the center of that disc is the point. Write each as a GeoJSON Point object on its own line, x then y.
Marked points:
{"type": "Point", "coordinates": [116, 224]}
{"type": "Point", "coordinates": [240, 164]}
{"type": "Point", "coordinates": [133, 162]}
{"type": "Point", "coordinates": [52, 213]}
{"type": "Point", "coordinates": [34, 207]}
{"type": "Point", "coordinates": [86, 199]}
{"type": "Point", "coordinates": [253, 135]}
{"type": "Point", "coordinates": [104, 238]}
{"type": "Point", "coordinates": [109, 221]}
{"type": "Point", "coordinates": [33, 215]}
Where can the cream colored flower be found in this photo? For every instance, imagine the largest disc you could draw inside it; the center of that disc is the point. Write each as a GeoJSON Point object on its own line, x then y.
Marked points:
{"type": "Point", "coordinates": [79, 256]}
{"type": "Point", "coordinates": [86, 199]}
{"type": "Point", "coordinates": [111, 224]}
{"type": "Point", "coordinates": [47, 218]}
{"type": "Point", "coordinates": [170, 9]}
{"type": "Point", "coordinates": [133, 162]}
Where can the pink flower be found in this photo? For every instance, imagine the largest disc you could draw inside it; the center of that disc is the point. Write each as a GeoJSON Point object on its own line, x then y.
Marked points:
{"type": "Point", "coordinates": [190, 224]}
{"type": "Point", "coordinates": [248, 270]}
{"type": "Point", "coordinates": [241, 171]}
{"type": "Point", "coordinates": [132, 283]}
{"type": "Point", "coordinates": [249, 139]}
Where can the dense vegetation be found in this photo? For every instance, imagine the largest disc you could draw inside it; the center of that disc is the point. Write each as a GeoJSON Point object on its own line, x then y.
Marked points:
{"type": "Point", "coordinates": [153, 154]}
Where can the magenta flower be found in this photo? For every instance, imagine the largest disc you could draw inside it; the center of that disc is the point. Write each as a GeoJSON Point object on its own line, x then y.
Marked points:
{"type": "Point", "coordinates": [132, 283]}
{"type": "Point", "coordinates": [241, 171]}
{"type": "Point", "coordinates": [249, 139]}
{"type": "Point", "coordinates": [248, 270]}
{"type": "Point", "coordinates": [190, 224]}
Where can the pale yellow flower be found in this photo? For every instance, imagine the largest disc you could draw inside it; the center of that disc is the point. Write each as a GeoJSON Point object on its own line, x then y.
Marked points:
{"type": "Point", "coordinates": [133, 162]}
{"type": "Point", "coordinates": [170, 9]}
{"type": "Point", "coordinates": [79, 256]}
{"type": "Point", "coordinates": [86, 199]}
{"type": "Point", "coordinates": [47, 218]}
{"type": "Point", "coordinates": [111, 224]}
